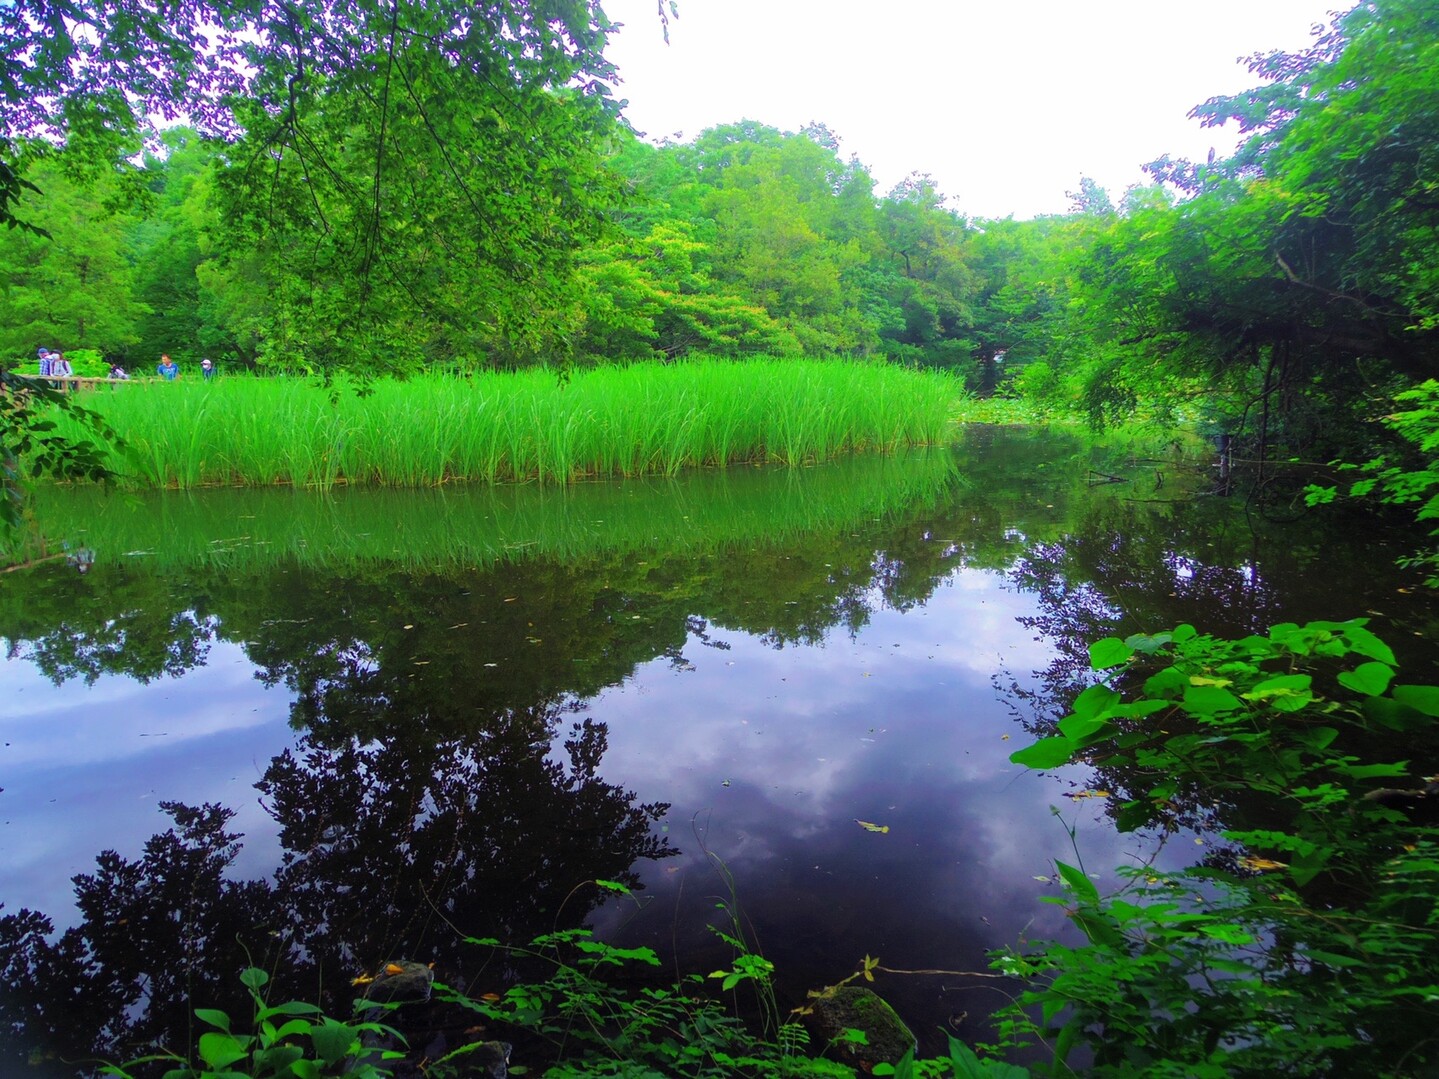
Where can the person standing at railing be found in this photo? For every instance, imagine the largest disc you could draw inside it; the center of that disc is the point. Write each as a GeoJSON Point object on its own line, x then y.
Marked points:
{"type": "Point", "coordinates": [60, 366]}
{"type": "Point", "coordinates": [167, 368]}
{"type": "Point", "coordinates": [45, 363]}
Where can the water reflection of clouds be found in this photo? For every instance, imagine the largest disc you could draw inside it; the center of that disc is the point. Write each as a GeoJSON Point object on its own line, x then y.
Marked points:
{"type": "Point", "coordinates": [111, 720]}
{"type": "Point", "coordinates": [925, 674]}
{"type": "Point", "coordinates": [87, 766]}
{"type": "Point", "coordinates": [899, 726]}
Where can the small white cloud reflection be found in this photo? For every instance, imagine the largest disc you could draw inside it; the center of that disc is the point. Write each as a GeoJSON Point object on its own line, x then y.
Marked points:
{"type": "Point", "coordinates": [114, 718]}
{"type": "Point", "coordinates": [87, 766]}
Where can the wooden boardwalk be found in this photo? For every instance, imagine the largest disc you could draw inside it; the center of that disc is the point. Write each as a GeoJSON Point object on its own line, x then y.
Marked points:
{"type": "Point", "coordinates": [71, 383]}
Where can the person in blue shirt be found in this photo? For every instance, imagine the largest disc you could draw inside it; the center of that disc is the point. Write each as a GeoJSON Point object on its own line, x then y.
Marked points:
{"type": "Point", "coordinates": [207, 368]}
{"type": "Point", "coordinates": [167, 368]}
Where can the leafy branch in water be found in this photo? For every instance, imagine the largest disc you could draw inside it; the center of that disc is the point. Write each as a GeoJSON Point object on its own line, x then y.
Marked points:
{"type": "Point", "coordinates": [1312, 952]}
{"type": "Point", "coordinates": [1409, 482]}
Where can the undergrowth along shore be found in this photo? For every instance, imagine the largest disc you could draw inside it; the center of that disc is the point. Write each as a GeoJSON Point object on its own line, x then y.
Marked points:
{"type": "Point", "coordinates": [641, 419]}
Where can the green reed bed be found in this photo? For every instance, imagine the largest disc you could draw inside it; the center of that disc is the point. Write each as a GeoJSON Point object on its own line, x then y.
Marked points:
{"type": "Point", "coordinates": [642, 419]}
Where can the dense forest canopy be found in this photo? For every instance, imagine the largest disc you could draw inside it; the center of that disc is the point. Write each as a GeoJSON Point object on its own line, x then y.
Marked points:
{"type": "Point", "coordinates": [389, 188]}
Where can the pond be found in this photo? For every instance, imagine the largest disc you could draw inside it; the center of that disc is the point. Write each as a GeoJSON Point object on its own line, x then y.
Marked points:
{"type": "Point", "coordinates": [317, 733]}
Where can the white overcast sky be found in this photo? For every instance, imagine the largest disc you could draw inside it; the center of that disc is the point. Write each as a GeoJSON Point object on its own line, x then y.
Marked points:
{"type": "Point", "coordinates": [1004, 102]}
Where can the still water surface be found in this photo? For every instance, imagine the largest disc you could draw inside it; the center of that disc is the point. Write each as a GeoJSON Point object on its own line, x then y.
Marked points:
{"type": "Point", "coordinates": [329, 732]}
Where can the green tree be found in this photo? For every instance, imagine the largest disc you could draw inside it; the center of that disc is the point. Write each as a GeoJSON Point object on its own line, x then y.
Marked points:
{"type": "Point", "coordinates": [924, 273]}
{"type": "Point", "coordinates": [655, 295]}
{"type": "Point", "coordinates": [1297, 276]}
{"type": "Point", "coordinates": [168, 246]}
{"type": "Point", "coordinates": [444, 228]}
{"type": "Point", "coordinates": [772, 197]}
{"type": "Point", "coordinates": [1090, 198]}
{"type": "Point", "coordinates": [409, 174]}
{"type": "Point", "coordinates": [75, 286]}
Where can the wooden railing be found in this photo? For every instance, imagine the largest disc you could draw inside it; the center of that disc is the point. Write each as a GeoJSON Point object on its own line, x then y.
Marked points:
{"type": "Point", "coordinates": [69, 383]}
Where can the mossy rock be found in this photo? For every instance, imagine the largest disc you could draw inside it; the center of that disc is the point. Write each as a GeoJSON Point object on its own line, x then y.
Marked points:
{"type": "Point", "coordinates": [850, 1007]}
{"type": "Point", "coordinates": [401, 980]}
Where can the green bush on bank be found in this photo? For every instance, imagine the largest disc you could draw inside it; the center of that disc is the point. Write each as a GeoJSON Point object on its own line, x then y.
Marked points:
{"type": "Point", "coordinates": [1310, 946]}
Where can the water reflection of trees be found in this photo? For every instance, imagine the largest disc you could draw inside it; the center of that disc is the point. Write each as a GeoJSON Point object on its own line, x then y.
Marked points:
{"type": "Point", "coordinates": [150, 930]}
{"type": "Point", "coordinates": [375, 641]}
{"type": "Point", "coordinates": [445, 782]}
{"type": "Point", "coordinates": [488, 835]}
{"type": "Point", "coordinates": [393, 847]}
{"type": "Point", "coordinates": [537, 628]}
{"type": "Point", "coordinates": [1123, 580]}
{"type": "Point", "coordinates": [80, 627]}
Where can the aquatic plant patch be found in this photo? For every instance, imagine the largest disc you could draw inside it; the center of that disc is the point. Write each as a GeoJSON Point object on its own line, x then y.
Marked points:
{"type": "Point", "coordinates": [642, 419]}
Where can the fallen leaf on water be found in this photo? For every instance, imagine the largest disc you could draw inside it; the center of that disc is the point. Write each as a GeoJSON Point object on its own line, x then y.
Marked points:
{"type": "Point", "coordinates": [1261, 864]}
{"type": "Point", "coordinates": [363, 979]}
{"type": "Point", "coordinates": [868, 826]}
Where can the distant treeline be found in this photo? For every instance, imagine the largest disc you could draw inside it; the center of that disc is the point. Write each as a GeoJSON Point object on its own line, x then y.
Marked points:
{"type": "Point", "coordinates": [746, 240]}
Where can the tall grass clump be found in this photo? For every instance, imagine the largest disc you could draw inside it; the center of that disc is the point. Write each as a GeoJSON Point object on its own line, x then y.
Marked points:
{"type": "Point", "coordinates": [640, 419]}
